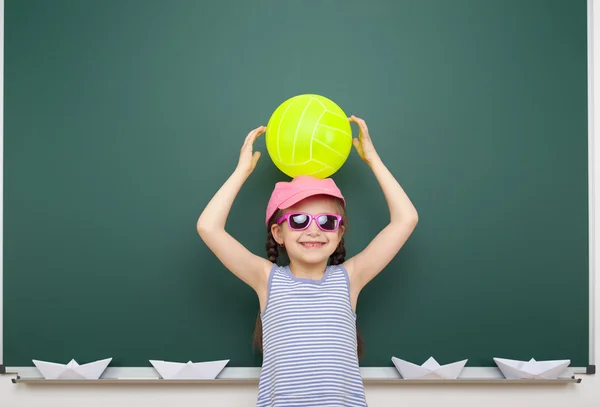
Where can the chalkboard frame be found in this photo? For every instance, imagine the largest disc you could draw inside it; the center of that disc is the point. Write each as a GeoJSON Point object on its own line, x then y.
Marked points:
{"type": "Point", "coordinates": [385, 373]}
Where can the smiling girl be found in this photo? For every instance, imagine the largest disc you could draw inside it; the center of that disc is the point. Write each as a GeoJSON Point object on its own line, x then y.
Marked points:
{"type": "Point", "coordinates": [307, 323]}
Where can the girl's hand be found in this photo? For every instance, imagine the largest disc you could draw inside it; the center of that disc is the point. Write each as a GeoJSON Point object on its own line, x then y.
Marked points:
{"type": "Point", "coordinates": [363, 144]}
{"type": "Point", "coordinates": [247, 161]}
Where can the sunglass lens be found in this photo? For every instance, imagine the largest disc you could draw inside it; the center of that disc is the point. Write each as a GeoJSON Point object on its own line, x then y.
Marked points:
{"type": "Point", "coordinates": [328, 222]}
{"type": "Point", "coordinates": [298, 221]}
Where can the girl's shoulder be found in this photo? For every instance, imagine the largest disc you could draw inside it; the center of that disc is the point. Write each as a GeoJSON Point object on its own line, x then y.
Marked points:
{"type": "Point", "coordinates": [278, 269]}
{"type": "Point", "coordinates": [337, 268]}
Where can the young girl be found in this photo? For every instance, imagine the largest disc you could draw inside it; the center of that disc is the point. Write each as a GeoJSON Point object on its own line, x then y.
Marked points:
{"type": "Point", "coordinates": [307, 321]}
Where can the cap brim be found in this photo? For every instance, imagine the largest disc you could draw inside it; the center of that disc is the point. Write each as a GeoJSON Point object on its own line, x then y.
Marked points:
{"type": "Point", "coordinates": [294, 199]}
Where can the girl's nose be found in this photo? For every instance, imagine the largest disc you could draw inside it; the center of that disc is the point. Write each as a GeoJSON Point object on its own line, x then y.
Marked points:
{"type": "Point", "coordinates": [313, 228]}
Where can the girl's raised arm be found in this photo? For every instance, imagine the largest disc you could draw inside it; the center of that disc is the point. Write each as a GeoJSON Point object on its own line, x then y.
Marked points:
{"type": "Point", "coordinates": [363, 267]}
{"type": "Point", "coordinates": [250, 268]}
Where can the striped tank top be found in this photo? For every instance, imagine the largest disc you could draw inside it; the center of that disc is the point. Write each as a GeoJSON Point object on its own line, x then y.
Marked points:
{"type": "Point", "coordinates": [309, 342]}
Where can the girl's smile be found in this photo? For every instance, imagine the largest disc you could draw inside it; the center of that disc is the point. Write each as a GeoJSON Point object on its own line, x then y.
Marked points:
{"type": "Point", "coordinates": [312, 245]}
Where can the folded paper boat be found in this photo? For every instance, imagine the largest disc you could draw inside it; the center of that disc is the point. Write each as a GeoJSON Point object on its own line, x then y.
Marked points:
{"type": "Point", "coordinates": [189, 370]}
{"type": "Point", "coordinates": [72, 370]}
{"type": "Point", "coordinates": [532, 369]}
{"type": "Point", "coordinates": [431, 369]}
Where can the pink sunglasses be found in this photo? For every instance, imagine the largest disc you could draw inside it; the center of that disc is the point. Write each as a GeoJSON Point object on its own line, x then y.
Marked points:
{"type": "Point", "coordinates": [301, 221]}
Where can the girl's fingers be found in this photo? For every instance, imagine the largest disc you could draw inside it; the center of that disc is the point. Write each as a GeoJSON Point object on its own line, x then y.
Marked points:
{"type": "Point", "coordinates": [360, 122]}
{"type": "Point", "coordinates": [254, 134]}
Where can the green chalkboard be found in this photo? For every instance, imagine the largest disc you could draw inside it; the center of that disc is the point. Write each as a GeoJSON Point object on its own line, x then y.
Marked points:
{"type": "Point", "coordinates": [123, 118]}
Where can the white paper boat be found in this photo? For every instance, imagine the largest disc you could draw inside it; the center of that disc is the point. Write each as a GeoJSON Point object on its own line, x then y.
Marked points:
{"type": "Point", "coordinates": [72, 370]}
{"type": "Point", "coordinates": [431, 369]}
{"type": "Point", "coordinates": [189, 370]}
{"type": "Point", "coordinates": [532, 369]}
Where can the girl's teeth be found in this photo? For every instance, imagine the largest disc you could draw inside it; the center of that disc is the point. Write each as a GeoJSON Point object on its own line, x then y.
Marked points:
{"type": "Point", "coordinates": [312, 244]}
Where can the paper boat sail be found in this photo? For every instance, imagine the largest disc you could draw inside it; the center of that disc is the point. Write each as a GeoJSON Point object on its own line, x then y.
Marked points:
{"type": "Point", "coordinates": [431, 369]}
{"type": "Point", "coordinates": [532, 369]}
{"type": "Point", "coordinates": [72, 370]}
{"type": "Point", "coordinates": [189, 370]}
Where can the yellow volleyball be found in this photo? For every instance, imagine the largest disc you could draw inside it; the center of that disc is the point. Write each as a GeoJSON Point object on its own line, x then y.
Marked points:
{"type": "Point", "coordinates": [309, 135]}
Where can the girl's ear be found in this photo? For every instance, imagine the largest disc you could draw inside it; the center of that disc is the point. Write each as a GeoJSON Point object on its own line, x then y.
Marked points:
{"type": "Point", "coordinates": [276, 232]}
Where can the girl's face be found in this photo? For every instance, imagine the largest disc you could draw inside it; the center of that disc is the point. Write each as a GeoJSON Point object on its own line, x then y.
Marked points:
{"type": "Point", "coordinates": [312, 245]}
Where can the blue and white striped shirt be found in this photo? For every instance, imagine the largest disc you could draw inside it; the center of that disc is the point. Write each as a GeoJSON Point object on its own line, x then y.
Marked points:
{"type": "Point", "coordinates": [309, 342]}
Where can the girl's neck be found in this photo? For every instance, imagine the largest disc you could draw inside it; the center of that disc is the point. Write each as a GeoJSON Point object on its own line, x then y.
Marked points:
{"type": "Point", "coordinates": [308, 271]}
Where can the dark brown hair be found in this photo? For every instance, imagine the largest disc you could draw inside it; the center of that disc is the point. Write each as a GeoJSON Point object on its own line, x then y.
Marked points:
{"type": "Point", "coordinates": [337, 257]}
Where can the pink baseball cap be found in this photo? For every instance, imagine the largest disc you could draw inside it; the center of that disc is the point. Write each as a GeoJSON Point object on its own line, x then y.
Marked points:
{"type": "Point", "coordinates": [287, 194]}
